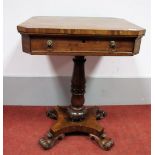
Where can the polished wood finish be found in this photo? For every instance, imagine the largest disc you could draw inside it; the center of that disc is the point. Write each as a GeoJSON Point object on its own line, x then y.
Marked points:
{"type": "Point", "coordinates": [80, 26]}
{"type": "Point", "coordinates": [76, 110]}
{"type": "Point", "coordinates": [80, 36]}
{"type": "Point", "coordinates": [64, 126]}
{"type": "Point", "coordinates": [84, 45]}
{"type": "Point", "coordinates": [78, 82]}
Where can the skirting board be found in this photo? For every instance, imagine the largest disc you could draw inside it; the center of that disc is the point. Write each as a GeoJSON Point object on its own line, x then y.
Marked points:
{"type": "Point", "coordinates": [56, 91]}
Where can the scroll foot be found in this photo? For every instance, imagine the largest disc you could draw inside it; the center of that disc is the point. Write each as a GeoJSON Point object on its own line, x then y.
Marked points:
{"type": "Point", "coordinates": [100, 114]}
{"type": "Point", "coordinates": [52, 114]}
{"type": "Point", "coordinates": [104, 142]}
{"type": "Point", "coordinates": [49, 141]}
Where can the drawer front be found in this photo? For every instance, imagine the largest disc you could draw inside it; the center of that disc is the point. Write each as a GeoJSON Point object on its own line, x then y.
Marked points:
{"type": "Point", "coordinates": [85, 46]}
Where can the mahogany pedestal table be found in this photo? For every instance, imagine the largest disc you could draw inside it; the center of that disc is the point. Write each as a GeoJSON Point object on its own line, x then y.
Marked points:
{"type": "Point", "coordinates": [79, 37]}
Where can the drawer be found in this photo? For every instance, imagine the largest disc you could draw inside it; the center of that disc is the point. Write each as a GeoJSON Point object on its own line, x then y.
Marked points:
{"type": "Point", "coordinates": [50, 45]}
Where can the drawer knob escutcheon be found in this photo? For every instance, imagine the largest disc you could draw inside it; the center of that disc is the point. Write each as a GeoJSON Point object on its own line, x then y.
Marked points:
{"type": "Point", "coordinates": [112, 45]}
{"type": "Point", "coordinates": [49, 43]}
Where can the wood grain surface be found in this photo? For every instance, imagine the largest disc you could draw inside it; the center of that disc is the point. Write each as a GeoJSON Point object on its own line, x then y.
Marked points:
{"type": "Point", "coordinates": [87, 45]}
{"type": "Point", "coordinates": [79, 26]}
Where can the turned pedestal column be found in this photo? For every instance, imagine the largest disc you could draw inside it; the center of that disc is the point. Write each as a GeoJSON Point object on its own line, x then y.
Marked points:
{"type": "Point", "coordinates": [76, 110]}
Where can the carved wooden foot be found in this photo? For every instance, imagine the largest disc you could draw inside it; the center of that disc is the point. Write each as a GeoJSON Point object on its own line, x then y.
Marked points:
{"type": "Point", "coordinates": [49, 141]}
{"type": "Point", "coordinates": [64, 125]}
{"type": "Point", "coordinates": [104, 142]}
{"type": "Point", "coordinates": [100, 114]}
{"type": "Point", "coordinates": [52, 114]}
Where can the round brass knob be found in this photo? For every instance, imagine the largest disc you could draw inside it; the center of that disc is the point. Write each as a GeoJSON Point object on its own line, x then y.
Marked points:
{"type": "Point", "coordinates": [49, 43]}
{"type": "Point", "coordinates": [112, 44]}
